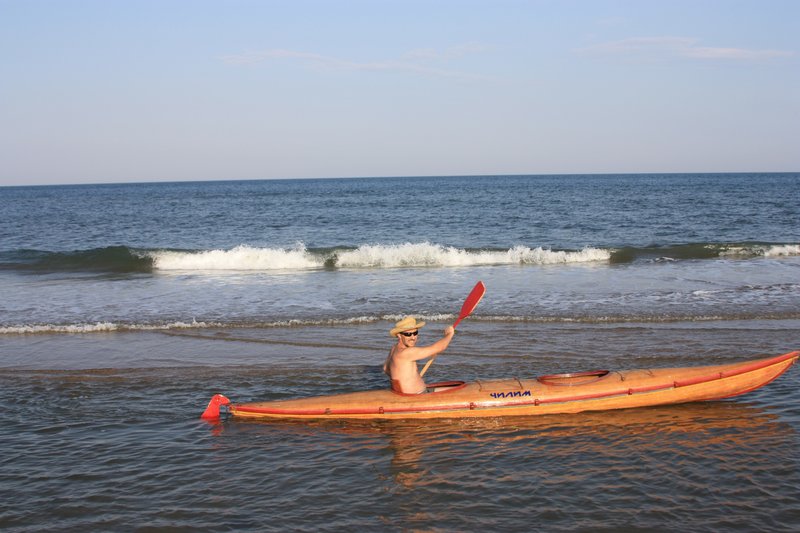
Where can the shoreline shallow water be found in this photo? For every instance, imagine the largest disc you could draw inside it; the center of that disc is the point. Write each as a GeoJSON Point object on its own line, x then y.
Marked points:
{"type": "Point", "coordinates": [103, 433]}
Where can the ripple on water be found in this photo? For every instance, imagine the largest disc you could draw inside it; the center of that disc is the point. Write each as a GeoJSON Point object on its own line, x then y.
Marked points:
{"type": "Point", "coordinates": [124, 449]}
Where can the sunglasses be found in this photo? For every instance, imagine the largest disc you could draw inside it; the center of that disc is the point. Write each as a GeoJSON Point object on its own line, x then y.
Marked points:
{"type": "Point", "coordinates": [410, 333]}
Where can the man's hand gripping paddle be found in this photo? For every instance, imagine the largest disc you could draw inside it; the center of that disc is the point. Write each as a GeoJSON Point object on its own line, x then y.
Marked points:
{"type": "Point", "coordinates": [469, 306]}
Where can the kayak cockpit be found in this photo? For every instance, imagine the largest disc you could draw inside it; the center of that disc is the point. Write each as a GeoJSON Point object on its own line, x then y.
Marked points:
{"type": "Point", "coordinates": [437, 388]}
{"type": "Point", "coordinates": [573, 379]}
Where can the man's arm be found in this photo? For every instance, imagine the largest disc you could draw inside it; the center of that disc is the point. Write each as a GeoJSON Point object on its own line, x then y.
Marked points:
{"type": "Point", "coordinates": [386, 364]}
{"type": "Point", "coordinates": [423, 352]}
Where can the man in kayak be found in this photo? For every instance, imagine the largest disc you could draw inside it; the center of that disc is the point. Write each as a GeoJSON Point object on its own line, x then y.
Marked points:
{"type": "Point", "coordinates": [401, 365]}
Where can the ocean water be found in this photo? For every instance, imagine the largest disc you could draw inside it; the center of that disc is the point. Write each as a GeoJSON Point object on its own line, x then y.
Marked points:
{"type": "Point", "coordinates": [123, 308]}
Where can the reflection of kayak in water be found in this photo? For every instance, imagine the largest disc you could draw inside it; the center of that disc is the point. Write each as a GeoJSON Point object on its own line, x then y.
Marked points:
{"type": "Point", "coordinates": [559, 393]}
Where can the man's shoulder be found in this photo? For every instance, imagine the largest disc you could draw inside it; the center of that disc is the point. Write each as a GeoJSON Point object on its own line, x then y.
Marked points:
{"type": "Point", "coordinates": [405, 353]}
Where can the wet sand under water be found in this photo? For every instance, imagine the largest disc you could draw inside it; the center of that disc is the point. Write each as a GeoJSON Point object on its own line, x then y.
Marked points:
{"type": "Point", "coordinates": [102, 433]}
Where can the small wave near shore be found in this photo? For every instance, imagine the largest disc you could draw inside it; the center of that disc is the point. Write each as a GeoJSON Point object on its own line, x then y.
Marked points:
{"type": "Point", "coordinates": [388, 319]}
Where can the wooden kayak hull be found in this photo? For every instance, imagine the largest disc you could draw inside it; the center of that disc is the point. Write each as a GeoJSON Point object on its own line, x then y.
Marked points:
{"type": "Point", "coordinates": [561, 393]}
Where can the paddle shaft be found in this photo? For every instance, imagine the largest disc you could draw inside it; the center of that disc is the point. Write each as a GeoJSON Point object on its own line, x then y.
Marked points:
{"type": "Point", "coordinates": [469, 306]}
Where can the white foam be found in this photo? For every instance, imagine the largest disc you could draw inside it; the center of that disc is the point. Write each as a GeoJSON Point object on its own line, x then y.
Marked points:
{"type": "Point", "coordinates": [424, 254]}
{"type": "Point", "coordinates": [435, 255]}
{"type": "Point", "coordinates": [99, 327]}
{"type": "Point", "coordinates": [239, 258]}
{"type": "Point", "coordinates": [782, 251]}
{"type": "Point", "coordinates": [777, 250]}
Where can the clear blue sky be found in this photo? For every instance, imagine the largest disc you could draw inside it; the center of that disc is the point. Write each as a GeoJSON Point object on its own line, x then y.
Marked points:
{"type": "Point", "coordinates": [138, 90]}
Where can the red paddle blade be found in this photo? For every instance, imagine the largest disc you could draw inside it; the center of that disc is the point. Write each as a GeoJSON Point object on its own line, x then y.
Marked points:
{"type": "Point", "coordinates": [471, 302]}
{"type": "Point", "coordinates": [212, 411]}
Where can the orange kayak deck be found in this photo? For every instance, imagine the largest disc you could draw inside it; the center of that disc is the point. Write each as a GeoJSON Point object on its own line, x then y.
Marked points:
{"type": "Point", "coordinates": [554, 394]}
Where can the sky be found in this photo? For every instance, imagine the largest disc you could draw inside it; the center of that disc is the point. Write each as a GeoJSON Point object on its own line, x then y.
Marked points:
{"type": "Point", "coordinates": [171, 90]}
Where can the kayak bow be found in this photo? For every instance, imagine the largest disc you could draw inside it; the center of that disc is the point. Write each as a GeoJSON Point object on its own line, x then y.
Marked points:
{"type": "Point", "coordinates": [553, 394]}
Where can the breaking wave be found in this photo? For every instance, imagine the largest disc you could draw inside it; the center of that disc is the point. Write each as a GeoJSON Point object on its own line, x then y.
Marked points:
{"type": "Point", "coordinates": [123, 259]}
{"type": "Point", "coordinates": [239, 258]}
{"type": "Point", "coordinates": [433, 255]}
{"type": "Point", "coordinates": [367, 256]}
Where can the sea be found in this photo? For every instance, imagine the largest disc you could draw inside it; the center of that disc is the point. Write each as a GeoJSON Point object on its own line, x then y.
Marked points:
{"type": "Point", "coordinates": [125, 307]}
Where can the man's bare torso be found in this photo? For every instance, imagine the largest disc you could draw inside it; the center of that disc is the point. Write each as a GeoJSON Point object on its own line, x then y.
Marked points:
{"type": "Point", "coordinates": [403, 372]}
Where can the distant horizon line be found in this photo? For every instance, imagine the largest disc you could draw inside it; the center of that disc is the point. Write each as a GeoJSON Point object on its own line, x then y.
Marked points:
{"type": "Point", "coordinates": [416, 176]}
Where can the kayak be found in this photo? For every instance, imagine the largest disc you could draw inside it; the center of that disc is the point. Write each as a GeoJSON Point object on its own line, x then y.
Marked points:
{"type": "Point", "coordinates": [594, 390]}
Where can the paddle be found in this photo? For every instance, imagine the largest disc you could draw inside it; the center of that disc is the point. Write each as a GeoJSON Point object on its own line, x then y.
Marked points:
{"type": "Point", "coordinates": [469, 306]}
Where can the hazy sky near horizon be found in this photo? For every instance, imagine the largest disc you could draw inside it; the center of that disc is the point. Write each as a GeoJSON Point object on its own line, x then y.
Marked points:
{"type": "Point", "coordinates": [117, 91]}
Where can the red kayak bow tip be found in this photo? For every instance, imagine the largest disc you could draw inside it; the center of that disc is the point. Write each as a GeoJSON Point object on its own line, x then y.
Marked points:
{"type": "Point", "coordinates": [212, 411]}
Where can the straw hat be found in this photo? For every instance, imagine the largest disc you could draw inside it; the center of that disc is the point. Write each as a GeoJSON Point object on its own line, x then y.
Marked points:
{"type": "Point", "coordinates": [407, 324]}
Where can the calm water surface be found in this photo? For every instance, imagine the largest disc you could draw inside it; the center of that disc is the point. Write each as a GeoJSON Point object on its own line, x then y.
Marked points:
{"type": "Point", "coordinates": [118, 445]}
